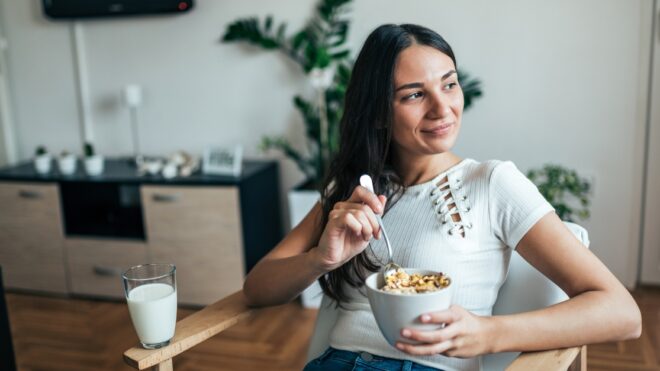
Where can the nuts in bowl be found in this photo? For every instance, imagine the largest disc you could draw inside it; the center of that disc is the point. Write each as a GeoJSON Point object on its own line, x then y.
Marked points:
{"type": "Point", "coordinates": [399, 300]}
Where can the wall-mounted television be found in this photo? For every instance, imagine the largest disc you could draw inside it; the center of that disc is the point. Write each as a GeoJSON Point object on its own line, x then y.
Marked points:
{"type": "Point", "coordinates": [73, 9]}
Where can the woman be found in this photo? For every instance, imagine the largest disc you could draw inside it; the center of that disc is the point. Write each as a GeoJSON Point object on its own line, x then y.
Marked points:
{"type": "Point", "coordinates": [402, 116]}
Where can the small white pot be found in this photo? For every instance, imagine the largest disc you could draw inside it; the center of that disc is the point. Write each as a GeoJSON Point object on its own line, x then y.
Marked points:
{"type": "Point", "coordinates": [42, 164]}
{"type": "Point", "coordinates": [94, 165]}
{"type": "Point", "coordinates": [67, 164]}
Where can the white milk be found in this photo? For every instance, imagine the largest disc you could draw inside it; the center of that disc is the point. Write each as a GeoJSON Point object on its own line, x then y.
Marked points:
{"type": "Point", "coordinates": [153, 311]}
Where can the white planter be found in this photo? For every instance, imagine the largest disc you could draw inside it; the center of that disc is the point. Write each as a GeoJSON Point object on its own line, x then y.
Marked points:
{"type": "Point", "coordinates": [94, 165]}
{"type": "Point", "coordinates": [300, 203]}
{"type": "Point", "coordinates": [67, 164]}
{"type": "Point", "coordinates": [42, 164]}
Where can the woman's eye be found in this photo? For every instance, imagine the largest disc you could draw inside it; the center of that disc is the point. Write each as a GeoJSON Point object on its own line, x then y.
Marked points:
{"type": "Point", "coordinates": [451, 85]}
{"type": "Point", "coordinates": [412, 96]}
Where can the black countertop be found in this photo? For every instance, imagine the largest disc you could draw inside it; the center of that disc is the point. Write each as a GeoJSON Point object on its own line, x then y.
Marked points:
{"type": "Point", "coordinates": [121, 170]}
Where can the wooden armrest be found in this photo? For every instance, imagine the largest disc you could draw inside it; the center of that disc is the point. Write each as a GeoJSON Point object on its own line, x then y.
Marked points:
{"type": "Point", "coordinates": [226, 312]}
{"type": "Point", "coordinates": [192, 330]}
{"type": "Point", "coordinates": [556, 359]}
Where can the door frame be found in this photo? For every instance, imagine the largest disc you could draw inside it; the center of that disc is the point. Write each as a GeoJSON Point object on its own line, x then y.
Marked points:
{"type": "Point", "coordinates": [649, 257]}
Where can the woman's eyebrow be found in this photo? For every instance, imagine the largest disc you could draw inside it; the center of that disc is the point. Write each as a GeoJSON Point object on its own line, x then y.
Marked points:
{"type": "Point", "coordinates": [414, 85]}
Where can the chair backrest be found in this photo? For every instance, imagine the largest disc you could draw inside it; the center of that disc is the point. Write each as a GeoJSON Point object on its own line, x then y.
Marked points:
{"type": "Point", "coordinates": [525, 289]}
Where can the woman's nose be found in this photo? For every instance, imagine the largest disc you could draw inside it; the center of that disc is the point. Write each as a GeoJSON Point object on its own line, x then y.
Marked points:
{"type": "Point", "coordinates": [440, 106]}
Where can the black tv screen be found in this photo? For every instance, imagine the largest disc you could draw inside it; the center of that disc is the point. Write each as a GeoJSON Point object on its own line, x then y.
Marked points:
{"type": "Point", "coordinates": [72, 9]}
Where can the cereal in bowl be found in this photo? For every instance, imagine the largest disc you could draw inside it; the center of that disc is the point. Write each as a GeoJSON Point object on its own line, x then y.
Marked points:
{"type": "Point", "coordinates": [401, 282]}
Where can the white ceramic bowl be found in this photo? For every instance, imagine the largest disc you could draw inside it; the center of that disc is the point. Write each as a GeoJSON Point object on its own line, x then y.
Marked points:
{"type": "Point", "coordinates": [394, 312]}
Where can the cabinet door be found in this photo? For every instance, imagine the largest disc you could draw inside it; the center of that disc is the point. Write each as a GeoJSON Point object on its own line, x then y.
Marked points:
{"type": "Point", "coordinates": [95, 266]}
{"type": "Point", "coordinates": [31, 251]}
{"type": "Point", "coordinates": [199, 230]}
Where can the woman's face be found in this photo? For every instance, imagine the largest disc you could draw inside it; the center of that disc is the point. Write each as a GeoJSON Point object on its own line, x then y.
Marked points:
{"type": "Point", "coordinates": [428, 102]}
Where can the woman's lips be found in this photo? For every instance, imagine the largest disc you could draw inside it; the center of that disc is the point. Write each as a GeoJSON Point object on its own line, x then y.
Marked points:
{"type": "Point", "coordinates": [439, 130]}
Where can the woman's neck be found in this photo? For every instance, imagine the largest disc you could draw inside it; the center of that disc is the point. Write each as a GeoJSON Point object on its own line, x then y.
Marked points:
{"type": "Point", "coordinates": [419, 169]}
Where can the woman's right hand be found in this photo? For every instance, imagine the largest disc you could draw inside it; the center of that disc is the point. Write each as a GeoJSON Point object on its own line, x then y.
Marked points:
{"type": "Point", "coordinates": [351, 225]}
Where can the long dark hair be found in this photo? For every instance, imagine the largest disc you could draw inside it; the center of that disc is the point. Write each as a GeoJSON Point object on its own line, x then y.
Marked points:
{"type": "Point", "coordinates": [366, 136]}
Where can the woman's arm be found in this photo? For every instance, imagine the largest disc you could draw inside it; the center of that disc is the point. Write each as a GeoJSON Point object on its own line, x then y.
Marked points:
{"type": "Point", "coordinates": [599, 309]}
{"type": "Point", "coordinates": [311, 250]}
{"type": "Point", "coordinates": [291, 264]}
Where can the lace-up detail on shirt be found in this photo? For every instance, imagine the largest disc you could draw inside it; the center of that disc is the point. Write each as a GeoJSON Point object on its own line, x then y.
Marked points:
{"type": "Point", "coordinates": [451, 204]}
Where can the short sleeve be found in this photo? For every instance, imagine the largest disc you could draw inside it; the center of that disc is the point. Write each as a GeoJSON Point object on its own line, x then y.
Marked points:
{"type": "Point", "coordinates": [515, 204]}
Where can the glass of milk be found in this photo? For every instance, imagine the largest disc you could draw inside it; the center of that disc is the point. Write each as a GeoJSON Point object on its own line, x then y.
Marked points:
{"type": "Point", "coordinates": [151, 296]}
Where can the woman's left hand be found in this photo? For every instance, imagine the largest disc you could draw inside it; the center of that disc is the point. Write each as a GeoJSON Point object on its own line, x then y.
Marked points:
{"type": "Point", "coordinates": [464, 335]}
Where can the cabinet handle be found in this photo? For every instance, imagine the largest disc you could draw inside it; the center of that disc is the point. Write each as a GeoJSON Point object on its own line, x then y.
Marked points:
{"type": "Point", "coordinates": [29, 194]}
{"type": "Point", "coordinates": [107, 271]}
{"type": "Point", "coordinates": [160, 197]}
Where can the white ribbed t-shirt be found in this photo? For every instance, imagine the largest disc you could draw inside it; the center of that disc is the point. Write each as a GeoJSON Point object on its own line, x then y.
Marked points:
{"type": "Point", "coordinates": [496, 204]}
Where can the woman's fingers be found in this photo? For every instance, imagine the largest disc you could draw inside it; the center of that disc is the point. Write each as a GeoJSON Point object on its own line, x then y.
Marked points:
{"type": "Point", "coordinates": [446, 316]}
{"type": "Point", "coordinates": [367, 227]}
{"type": "Point", "coordinates": [433, 336]}
{"type": "Point", "coordinates": [354, 221]}
{"type": "Point", "coordinates": [425, 349]}
{"type": "Point", "coordinates": [365, 214]}
{"type": "Point", "coordinates": [363, 195]}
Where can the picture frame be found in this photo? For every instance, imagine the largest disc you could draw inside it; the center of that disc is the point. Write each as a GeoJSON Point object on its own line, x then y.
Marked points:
{"type": "Point", "coordinates": [223, 160]}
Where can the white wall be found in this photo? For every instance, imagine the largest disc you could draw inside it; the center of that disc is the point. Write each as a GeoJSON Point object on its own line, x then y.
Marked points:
{"type": "Point", "coordinates": [564, 82]}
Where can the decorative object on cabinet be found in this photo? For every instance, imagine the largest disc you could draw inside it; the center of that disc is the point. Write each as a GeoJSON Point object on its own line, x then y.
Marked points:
{"type": "Point", "coordinates": [66, 163]}
{"type": "Point", "coordinates": [223, 161]}
{"type": "Point", "coordinates": [93, 161]}
{"type": "Point", "coordinates": [42, 160]}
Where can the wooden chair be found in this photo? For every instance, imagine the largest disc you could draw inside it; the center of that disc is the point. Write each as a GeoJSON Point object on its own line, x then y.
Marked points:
{"type": "Point", "coordinates": [525, 289]}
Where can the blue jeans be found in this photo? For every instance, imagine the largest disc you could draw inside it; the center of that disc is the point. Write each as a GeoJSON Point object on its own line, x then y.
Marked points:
{"type": "Point", "coordinates": [341, 360]}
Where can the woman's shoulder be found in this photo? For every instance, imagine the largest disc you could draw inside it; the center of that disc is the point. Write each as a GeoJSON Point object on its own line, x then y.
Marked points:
{"type": "Point", "coordinates": [485, 170]}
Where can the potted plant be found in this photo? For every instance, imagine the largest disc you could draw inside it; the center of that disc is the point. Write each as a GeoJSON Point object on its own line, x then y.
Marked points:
{"type": "Point", "coordinates": [93, 162]}
{"type": "Point", "coordinates": [564, 189]}
{"type": "Point", "coordinates": [42, 160]}
{"type": "Point", "coordinates": [66, 163]}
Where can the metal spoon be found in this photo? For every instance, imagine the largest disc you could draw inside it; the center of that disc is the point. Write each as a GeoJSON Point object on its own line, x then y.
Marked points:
{"type": "Point", "coordinates": [391, 266]}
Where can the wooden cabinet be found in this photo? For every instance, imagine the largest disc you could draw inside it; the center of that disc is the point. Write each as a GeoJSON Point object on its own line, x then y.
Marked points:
{"type": "Point", "coordinates": [199, 230]}
{"type": "Point", "coordinates": [77, 234]}
{"type": "Point", "coordinates": [31, 252]}
{"type": "Point", "coordinates": [95, 266]}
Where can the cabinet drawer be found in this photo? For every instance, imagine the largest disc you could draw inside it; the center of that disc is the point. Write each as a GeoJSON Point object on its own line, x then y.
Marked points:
{"type": "Point", "coordinates": [95, 266]}
{"type": "Point", "coordinates": [191, 214]}
{"type": "Point", "coordinates": [31, 251]}
{"type": "Point", "coordinates": [199, 230]}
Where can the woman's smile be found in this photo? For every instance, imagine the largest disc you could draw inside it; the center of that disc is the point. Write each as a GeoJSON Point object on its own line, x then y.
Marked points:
{"type": "Point", "coordinates": [438, 130]}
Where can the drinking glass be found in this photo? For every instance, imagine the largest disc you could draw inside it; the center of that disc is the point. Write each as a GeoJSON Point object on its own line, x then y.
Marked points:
{"type": "Point", "coordinates": [151, 296]}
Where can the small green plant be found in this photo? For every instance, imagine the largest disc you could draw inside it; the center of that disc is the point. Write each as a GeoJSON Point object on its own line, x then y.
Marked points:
{"type": "Point", "coordinates": [564, 189]}
{"type": "Point", "coordinates": [89, 150]}
{"type": "Point", "coordinates": [41, 150]}
{"type": "Point", "coordinates": [318, 48]}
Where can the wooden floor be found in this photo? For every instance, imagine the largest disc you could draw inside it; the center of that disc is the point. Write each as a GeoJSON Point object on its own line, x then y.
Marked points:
{"type": "Point", "coordinates": [74, 334]}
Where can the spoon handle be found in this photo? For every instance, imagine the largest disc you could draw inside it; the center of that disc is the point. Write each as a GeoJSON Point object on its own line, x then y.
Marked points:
{"type": "Point", "coordinates": [366, 182]}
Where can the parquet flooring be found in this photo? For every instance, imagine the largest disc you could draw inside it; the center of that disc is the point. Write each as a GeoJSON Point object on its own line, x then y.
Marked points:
{"type": "Point", "coordinates": [74, 334]}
